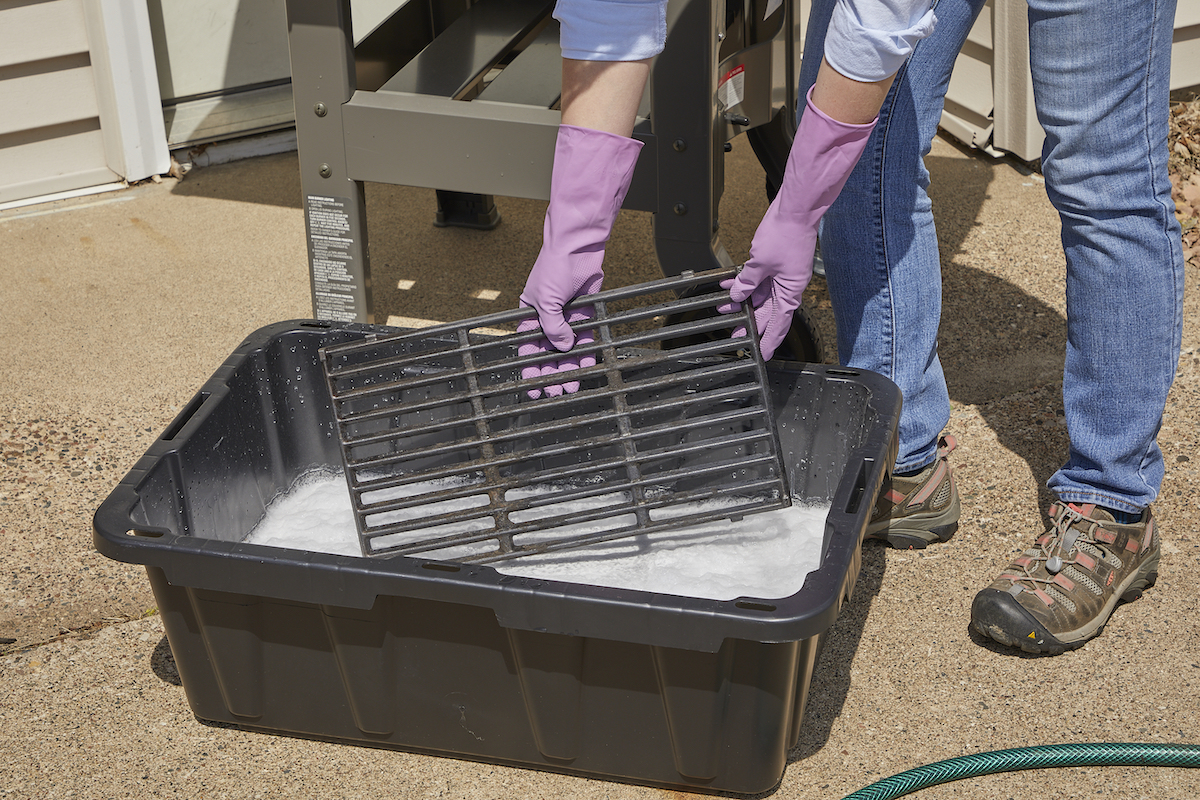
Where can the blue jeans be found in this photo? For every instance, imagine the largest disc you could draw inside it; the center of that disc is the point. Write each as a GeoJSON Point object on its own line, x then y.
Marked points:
{"type": "Point", "coordinates": [1100, 75]}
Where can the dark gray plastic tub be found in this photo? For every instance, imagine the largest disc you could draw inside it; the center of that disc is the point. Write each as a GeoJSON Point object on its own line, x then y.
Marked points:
{"type": "Point", "coordinates": [459, 660]}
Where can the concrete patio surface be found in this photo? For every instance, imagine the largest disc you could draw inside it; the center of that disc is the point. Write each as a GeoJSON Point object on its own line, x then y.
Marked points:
{"type": "Point", "coordinates": [120, 305]}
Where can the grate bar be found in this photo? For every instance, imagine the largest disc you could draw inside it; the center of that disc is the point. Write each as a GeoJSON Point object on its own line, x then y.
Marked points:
{"type": "Point", "coordinates": [564, 495]}
{"type": "Point", "coordinates": [518, 434]}
{"type": "Point", "coordinates": [570, 543]}
{"type": "Point", "coordinates": [436, 428]}
{"type": "Point", "coordinates": [434, 334]}
{"type": "Point", "coordinates": [671, 523]}
{"type": "Point", "coordinates": [566, 448]}
{"type": "Point", "coordinates": [441, 401]}
{"type": "Point", "coordinates": [714, 348]}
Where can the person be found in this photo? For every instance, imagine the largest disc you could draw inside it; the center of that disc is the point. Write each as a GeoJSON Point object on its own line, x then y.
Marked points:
{"type": "Point", "coordinates": [1101, 88]}
{"type": "Point", "coordinates": [607, 46]}
{"type": "Point", "coordinates": [1100, 79]}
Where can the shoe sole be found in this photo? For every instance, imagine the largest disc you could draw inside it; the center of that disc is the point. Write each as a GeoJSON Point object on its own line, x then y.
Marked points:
{"type": "Point", "coordinates": [1042, 641]}
{"type": "Point", "coordinates": [917, 531]}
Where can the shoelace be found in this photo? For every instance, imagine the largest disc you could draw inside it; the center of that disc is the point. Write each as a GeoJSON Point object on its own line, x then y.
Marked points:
{"type": "Point", "coordinates": [1071, 528]}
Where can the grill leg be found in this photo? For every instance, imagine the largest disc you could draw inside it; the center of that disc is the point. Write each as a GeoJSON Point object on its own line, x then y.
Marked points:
{"type": "Point", "coordinates": [323, 78]}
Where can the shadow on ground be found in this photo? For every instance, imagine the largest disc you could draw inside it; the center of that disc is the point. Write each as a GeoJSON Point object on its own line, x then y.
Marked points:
{"type": "Point", "coordinates": [162, 661]}
{"type": "Point", "coordinates": [269, 180]}
{"type": "Point", "coordinates": [997, 341]}
{"type": "Point", "coordinates": [831, 676]}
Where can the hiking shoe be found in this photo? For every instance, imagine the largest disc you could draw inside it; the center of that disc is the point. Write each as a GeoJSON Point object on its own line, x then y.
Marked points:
{"type": "Point", "coordinates": [1058, 594]}
{"type": "Point", "coordinates": [917, 511]}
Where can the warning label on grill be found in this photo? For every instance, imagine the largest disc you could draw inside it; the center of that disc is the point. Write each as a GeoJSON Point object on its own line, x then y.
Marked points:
{"type": "Point", "coordinates": [732, 89]}
{"type": "Point", "coordinates": [331, 254]}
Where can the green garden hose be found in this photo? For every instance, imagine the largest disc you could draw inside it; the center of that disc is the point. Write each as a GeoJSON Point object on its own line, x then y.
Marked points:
{"type": "Point", "coordinates": [1041, 757]}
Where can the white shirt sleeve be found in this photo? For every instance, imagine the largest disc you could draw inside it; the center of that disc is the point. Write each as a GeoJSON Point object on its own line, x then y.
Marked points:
{"type": "Point", "coordinates": [868, 40]}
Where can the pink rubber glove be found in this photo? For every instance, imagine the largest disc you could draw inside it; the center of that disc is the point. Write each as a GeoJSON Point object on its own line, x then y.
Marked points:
{"type": "Point", "coordinates": [775, 276]}
{"type": "Point", "coordinates": [592, 171]}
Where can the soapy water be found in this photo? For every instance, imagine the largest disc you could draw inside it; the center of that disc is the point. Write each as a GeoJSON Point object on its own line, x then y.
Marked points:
{"type": "Point", "coordinates": [765, 555]}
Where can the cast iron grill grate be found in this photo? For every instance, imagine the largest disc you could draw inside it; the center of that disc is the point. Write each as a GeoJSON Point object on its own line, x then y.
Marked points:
{"type": "Point", "coordinates": [447, 456]}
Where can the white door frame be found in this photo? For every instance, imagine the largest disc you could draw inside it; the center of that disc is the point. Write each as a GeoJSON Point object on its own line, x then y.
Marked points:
{"type": "Point", "coordinates": [131, 120]}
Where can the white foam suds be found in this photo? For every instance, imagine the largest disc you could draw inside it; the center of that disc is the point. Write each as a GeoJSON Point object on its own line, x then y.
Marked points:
{"type": "Point", "coordinates": [765, 555]}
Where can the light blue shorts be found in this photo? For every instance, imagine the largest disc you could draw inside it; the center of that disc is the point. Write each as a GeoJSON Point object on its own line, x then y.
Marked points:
{"type": "Point", "coordinates": [612, 30]}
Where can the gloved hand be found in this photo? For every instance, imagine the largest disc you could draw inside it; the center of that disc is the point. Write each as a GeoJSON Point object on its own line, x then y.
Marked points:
{"type": "Point", "coordinates": [775, 276]}
{"type": "Point", "coordinates": [592, 171]}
